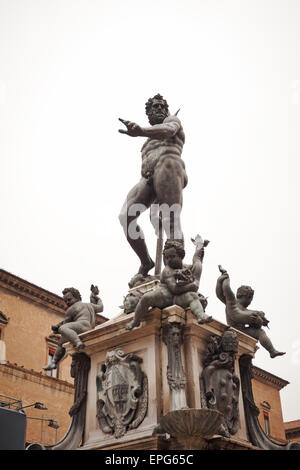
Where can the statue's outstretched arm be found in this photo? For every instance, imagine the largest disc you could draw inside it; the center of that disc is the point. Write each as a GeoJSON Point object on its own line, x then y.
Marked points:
{"type": "Point", "coordinates": [198, 256]}
{"type": "Point", "coordinates": [95, 299]}
{"type": "Point", "coordinates": [219, 290]}
{"type": "Point", "coordinates": [98, 308]}
{"type": "Point", "coordinates": [167, 129]}
{"type": "Point", "coordinates": [223, 289]}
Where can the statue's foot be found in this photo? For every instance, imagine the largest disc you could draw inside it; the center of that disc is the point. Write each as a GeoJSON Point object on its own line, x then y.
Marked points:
{"type": "Point", "coordinates": [50, 366]}
{"type": "Point", "coordinates": [80, 345]}
{"type": "Point", "coordinates": [276, 353]}
{"type": "Point", "coordinates": [206, 319]}
{"type": "Point", "coordinates": [132, 324]}
{"type": "Point", "coordinates": [146, 267]}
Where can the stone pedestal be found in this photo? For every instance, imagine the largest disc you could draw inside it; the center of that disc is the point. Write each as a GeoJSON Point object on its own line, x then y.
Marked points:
{"type": "Point", "coordinates": [161, 390]}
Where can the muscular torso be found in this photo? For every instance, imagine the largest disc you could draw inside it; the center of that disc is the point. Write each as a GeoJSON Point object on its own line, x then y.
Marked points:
{"type": "Point", "coordinates": [155, 150]}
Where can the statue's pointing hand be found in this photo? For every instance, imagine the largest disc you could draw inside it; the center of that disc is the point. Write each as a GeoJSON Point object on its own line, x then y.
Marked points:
{"type": "Point", "coordinates": [133, 129]}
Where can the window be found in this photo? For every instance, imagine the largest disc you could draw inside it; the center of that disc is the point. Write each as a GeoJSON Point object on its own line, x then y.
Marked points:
{"type": "Point", "coordinates": [266, 408]}
{"type": "Point", "coordinates": [266, 423]}
{"type": "Point", "coordinates": [53, 372]}
{"type": "Point", "coordinates": [51, 345]}
{"type": "Point", "coordinates": [3, 322]}
{"type": "Point", "coordinates": [2, 348]}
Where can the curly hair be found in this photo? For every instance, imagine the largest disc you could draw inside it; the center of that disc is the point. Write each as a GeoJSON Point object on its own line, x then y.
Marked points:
{"type": "Point", "coordinates": [246, 291]}
{"type": "Point", "coordinates": [174, 244]}
{"type": "Point", "coordinates": [132, 298]}
{"type": "Point", "coordinates": [73, 291]}
{"type": "Point", "coordinates": [150, 102]}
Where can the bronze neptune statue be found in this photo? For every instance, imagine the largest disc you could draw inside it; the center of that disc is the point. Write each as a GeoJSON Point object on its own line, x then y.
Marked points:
{"type": "Point", "coordinates": [163, 178]}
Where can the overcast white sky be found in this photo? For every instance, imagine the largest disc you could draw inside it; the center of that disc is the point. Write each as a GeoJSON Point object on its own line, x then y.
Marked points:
{"type": "Point", "coordinates": [70, 68]}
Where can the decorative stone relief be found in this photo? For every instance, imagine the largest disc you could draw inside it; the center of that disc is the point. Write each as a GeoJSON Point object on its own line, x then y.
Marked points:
{"type": "Point", "coordinates": [173, 338]}
{"type": "Point", "coordinates": [219, 384]}
{"type": "Point", "coordinates": [122, 393]}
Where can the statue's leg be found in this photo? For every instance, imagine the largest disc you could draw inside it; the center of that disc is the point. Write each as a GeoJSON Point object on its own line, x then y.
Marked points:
{"type": "Point", "coordinates": [159, 297]}
{"type": "Point", "coordinates": [260, 334]}
{"type": "Point", "coordinates": [70, 331]}
{"type": "Point", "coordinates": [169, 181]}
{"type": "Point", "coordinates": [191, 300]}
{"type": "Point", "coordinates": [267, 344]}
{"type": "Point", "coordinates": [155, 218]}
{"type": "Point", "coordinates": [138, 200]}
{"type": "Point", "coordinates": [58, 355]}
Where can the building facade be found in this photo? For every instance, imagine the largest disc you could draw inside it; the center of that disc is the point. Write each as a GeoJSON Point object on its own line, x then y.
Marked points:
{"type": "Point", "coordinates": [266, 391]}
{"type": "Point", "coordinates": [27, 343]}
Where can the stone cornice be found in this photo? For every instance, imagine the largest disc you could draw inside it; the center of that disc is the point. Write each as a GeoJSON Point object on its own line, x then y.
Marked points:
{"type": "Point", "coordinates": [270, 379]}
{"type": "Point", "coordinates": [103, 336]}
{"type": "Point", "coordinates": [292, 429]}
{"type": "Point", "coordinates": [295, 424]}
{"type": "Point", "coordinates": [292, 433]}
{"type": "Point", "coordinates": [31, 292]}
{"type": "Point", "coordinates": [38, 377]}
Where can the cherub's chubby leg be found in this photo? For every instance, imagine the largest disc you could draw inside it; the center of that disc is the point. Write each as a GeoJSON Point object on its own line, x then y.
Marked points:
{"type": "Point", "coordinates": [191, 300]}
{"type": "Point", "coordinates": [159, 297]}
{"type": "Point", "coordinates": [58, 355]}
{"type": "Point", "coordinates": [70, 331]}
{"type": "Point", "coordinates": [260, 334]}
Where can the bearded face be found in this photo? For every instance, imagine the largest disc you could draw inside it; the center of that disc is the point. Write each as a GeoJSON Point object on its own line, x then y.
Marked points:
{"type": "Point", "coordinates": [157, 112]}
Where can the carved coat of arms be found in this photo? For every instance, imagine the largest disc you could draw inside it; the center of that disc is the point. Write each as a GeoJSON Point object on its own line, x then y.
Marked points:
{"type": "Point", "coordinates": [122, 393]}
{"type": "Point", "coordinates": [220, 385]}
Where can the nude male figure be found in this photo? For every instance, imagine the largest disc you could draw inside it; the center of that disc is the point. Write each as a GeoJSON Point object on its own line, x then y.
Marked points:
{"type": "Point", "coordinates": [163, 176]}
{"type": "Point", "coordinates": [80, 317]}
{"type": "Point", "coordinates": [239, 316]}
{"type": "Point", "coordinates": [179, 285]}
